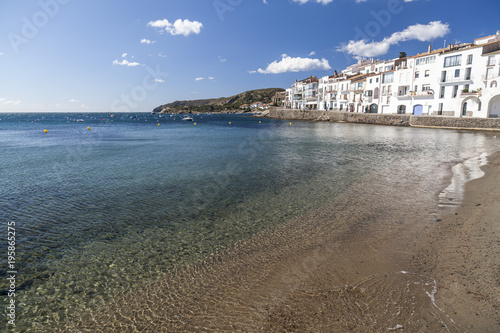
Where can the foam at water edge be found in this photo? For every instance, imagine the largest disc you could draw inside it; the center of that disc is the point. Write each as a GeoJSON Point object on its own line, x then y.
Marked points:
{"type": "Point", "coordinates": [462, 173]}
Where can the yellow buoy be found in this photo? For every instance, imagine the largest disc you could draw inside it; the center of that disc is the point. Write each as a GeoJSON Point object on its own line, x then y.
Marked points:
{"type": "Point", "coordinates": [229, 123]}
{"type": "Point", "coordinates": [158, 124]}
{"type": "Point", "coordinates": [290, 123]}
{"type": "Point", "coordinates": [45, 131]}
{"type": "Point", "coordinates": [88, 128]}
{"type": "Point", "coordinates": [260, 121]}
{"type": "Point", "coordinates": [195, 123]}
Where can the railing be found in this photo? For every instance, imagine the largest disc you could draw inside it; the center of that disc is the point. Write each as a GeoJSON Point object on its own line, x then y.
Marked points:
{"type": "Point", "coordinates": [489, 77]}
{"type": "Point", "coordinates": [461, 78]}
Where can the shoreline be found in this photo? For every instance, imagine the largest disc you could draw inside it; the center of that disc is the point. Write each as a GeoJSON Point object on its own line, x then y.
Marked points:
{"type": "Point", "coordinates": [407, 120]}
{"type": "Point", "coordinates": [366, 268]}
{"type": "Point", "coordinates": [462, 253]}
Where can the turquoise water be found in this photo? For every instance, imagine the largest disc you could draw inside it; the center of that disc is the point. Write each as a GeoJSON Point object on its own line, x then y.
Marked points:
{"type": "Point", "coordinates": [100, 211]}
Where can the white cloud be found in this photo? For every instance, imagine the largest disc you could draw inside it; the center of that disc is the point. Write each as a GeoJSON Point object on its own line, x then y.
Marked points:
{"type": "Point", "coordinates": [265, 2]}
{"type": "Point", "coordinates": [179, 27]}
{"type": "Point", "coordinates": [289, 64]}
{"type": "Point", "coordinates": [74, 100]}
{"type": "Point", "coordinates": [147, 41]}
{"type": "Point", "coordinates": [211, 78]}
{"type": "Point", "coordinates": [199, 79]}
{"type": "Point", "coordinates": [1, 53]}
{"type": "Point", "coordinates": [420, 32]}
{"type": "Point", "coordinates": [222, 59]}
{"type": "Point", "coordinates": [162, 55]}
{"type": "Point", "coordinates": [125, 62]}
{"type": "Point", "coordinates": [4, 101]}
{"type": "Point", "coordinates": [159, 80]}
{"type": "Point", "coordinates": [124, 55]}
{"type": "Point", "coordinates": [324, 2]}
{"type": "Point", "coordinates": [312, 53]}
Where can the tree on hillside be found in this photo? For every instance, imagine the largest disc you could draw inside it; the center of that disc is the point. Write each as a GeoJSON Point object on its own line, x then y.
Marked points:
{"type": "Point", "coordinates": [402, 55]}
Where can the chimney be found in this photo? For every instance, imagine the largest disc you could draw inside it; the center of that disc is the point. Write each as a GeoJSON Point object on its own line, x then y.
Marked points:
{"type": "Point", "coordinates": [430, 48]}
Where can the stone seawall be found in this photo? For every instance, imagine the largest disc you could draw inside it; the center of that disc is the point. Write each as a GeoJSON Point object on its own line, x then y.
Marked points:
{"type": "Point", "coordinates": [388, 119]}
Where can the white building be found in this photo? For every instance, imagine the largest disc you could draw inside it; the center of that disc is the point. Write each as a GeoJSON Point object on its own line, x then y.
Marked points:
{"type": "Point", "coordinates": [459, 80]}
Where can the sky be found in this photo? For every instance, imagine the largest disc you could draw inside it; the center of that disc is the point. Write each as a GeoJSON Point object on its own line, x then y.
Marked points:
{"type": "Point", "coordinates": [132, 56]}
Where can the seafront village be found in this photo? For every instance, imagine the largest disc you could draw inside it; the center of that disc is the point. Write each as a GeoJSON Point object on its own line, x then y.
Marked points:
{"type": "Point", "coordinates": [455, 81]}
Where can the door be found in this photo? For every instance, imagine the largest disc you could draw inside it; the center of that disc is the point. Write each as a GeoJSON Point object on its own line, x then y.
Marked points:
{"type": "Point", "coordinates": [464, 110]}
{"type": "Point", "coordinates": [373, 108]}
{"type": "Point", "coordinates": [418, 110]}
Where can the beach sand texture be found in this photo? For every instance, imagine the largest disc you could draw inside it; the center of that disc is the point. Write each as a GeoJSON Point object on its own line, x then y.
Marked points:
{"type": "Point", "coordinates": [375, 267]}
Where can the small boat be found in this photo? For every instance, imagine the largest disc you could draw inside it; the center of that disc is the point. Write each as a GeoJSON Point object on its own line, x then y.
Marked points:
{"type": "Point", "coordinates": [187, 118]}
{"type": "Point", "coordinates": [79, 120]}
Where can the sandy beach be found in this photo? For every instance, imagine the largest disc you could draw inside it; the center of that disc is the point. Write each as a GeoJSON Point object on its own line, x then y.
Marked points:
{"type": "Point", "coordinates": [378, 268]}
{"type": "Point", "coordinates": [462, 252]}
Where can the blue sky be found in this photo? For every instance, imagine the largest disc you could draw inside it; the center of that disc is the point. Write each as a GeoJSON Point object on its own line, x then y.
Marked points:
{"type": "Point", "coordinates": [111, 56]}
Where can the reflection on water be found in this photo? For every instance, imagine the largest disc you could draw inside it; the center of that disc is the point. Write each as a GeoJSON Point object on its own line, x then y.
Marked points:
{"type": "Point", "coordinates": [103, 211]}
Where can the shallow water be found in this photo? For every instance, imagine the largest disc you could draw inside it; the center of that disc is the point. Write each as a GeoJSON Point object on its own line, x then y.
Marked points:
{"type": "Point", "coordinates": [102, 211]}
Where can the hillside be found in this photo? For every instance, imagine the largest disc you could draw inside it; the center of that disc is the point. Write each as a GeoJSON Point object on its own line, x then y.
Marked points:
{"type": "Point", "coordinates": [219, 104]}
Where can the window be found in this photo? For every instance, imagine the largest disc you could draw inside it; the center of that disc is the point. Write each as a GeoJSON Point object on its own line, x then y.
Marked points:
{"type": "Point", "coordinates": [376, 80]}
{"type": "Point", "coordinates": [427, 73]}
{"type": "Point", "coordinates": [417, 74]}
{"type": "Point", "coordinates": [416, 88]}
{"type": "Point", "coordinates": [426, 60]}
{"type": "Point", "coordinates": [469, 59]}
{"type": "Point", "coordinates": [383, 90]}
{"type": "Point", "coordinates": [440, 109]}
{"type": "Point", "coordinates": [455, 91]}
{"type": "Point", "coordinates": [388, 99]}
{"type": "Point", "coordinates": [426, 87]}
{"type": "Point", "coordinates": [453, 61]}
{"type": "Point", "coordinates": [368, 93]}
{"type": "Point", "coordinates": [466, 88]}
{"type": "Point", "coordinates": [491, 60]}
{"type": "Point", "coordinates": [371, 80]}
{"type": "Point", "coordinates": [467, 73]}
{"type": "Point", "coordinates": [441, 94]}
{"type": "Point", "coordinates": [457, 72]}
{"type": "Point", "coordinates": [443, 76]}
{"type": "Point", "coordinates": [388, 78]}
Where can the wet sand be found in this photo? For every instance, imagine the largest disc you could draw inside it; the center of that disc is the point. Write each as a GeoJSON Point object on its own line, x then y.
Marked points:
{"type": "Point", "coordinates": [386, 263]}
{"type": "Point", "coordinates": [462, 252]}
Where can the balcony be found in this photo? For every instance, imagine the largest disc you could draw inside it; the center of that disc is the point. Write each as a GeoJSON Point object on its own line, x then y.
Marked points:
{"type": "Point", "coordinates": [423, 94]}
{"type": "Point", "coordinates": [490, 77]}
{"type": "Point", "coordinates": [456, 79]}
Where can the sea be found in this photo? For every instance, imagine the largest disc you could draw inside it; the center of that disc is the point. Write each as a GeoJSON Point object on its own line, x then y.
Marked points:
{"type": "Point", "coordinates": [95, 205]}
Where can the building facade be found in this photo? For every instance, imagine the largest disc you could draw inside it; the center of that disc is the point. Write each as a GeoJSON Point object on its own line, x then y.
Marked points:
{"type": "Point", "coordinates": [459, 80]}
